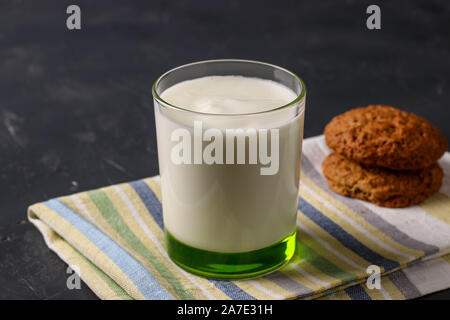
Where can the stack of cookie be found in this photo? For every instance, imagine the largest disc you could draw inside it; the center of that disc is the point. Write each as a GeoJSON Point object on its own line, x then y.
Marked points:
{"type": "Point", "coordinates": [383, 155]}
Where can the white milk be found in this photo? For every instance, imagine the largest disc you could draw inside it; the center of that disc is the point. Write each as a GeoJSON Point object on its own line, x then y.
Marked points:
{"type": "Point", "coordinates": [230, 207]}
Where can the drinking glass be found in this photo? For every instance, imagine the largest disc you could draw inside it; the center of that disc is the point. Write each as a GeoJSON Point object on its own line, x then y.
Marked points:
{"type": "Point", "coordinates": [222, 220]}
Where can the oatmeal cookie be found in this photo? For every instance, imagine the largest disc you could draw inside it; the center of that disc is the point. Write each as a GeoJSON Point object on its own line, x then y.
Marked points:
{"type": "Point", "coordinates": [382, 187]}
{"type": "Point", "coordinates": [384, 136]}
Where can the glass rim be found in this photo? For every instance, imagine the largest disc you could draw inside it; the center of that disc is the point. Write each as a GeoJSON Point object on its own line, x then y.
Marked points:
{"type": "Point", "coordinates": [298, 98]}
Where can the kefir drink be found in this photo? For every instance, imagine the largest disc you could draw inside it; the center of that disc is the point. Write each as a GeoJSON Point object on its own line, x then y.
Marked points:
{"type": "Point", "coordinates": [229, 148]}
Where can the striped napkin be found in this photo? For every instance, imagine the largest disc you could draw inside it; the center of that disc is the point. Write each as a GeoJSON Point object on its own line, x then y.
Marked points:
{"type": "Point", "coordinates": [114, 238]}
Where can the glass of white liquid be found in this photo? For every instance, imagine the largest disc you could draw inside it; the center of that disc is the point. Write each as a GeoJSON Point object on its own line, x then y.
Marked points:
{"type": "Point", "coordinates": [229, 136]}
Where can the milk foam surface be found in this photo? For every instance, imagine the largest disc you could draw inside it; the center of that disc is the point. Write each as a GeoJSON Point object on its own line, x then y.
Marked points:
{"type": "Point", "coordinates": [230, 207]}
{"type": "Point", "coordinates": [228, 95]}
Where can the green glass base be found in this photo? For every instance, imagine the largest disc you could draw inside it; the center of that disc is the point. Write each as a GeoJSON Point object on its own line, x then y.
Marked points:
{"type": "Point", "coordinates": [219, 265]}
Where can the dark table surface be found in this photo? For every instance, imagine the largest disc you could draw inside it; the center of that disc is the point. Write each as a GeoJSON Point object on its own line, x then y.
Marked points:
{"type": "Point", "coordinates": [76, 109]}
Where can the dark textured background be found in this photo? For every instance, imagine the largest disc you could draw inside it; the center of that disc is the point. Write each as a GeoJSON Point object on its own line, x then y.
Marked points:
{"type": "Point", "coordinates": [76, 108]}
